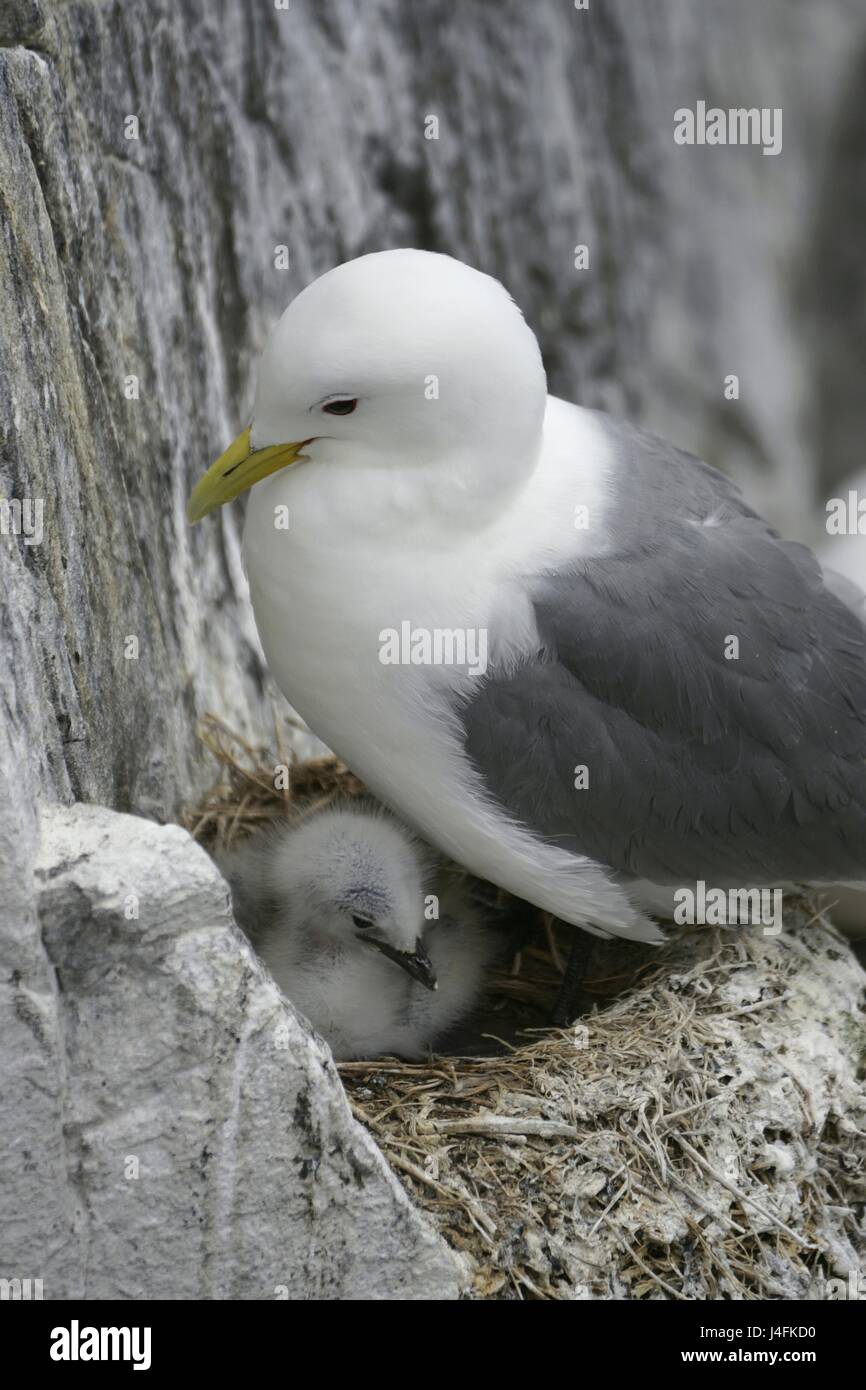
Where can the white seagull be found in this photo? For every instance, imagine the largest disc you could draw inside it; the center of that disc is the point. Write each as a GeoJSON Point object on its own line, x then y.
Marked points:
{"type": "Point", "coordinates": [566, 652]}
{"type": "Point", "coordinates": [362, 929]}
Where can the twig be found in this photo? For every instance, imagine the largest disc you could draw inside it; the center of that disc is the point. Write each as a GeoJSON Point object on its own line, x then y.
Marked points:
{"type": "Point", "coordinates": [741, 1196]}
{"type": "Point", "coordinates": [502, 1124]}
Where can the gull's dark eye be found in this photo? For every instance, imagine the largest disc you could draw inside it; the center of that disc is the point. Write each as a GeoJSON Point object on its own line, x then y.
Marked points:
{"type": "Point", "coordinates": [340, 407]}
{"type": "Point", "coordinates": [362, 923]}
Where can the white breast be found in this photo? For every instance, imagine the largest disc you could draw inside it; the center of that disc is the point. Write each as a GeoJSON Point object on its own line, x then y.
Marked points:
{"type": "Point", "coordinates": [322, 596]}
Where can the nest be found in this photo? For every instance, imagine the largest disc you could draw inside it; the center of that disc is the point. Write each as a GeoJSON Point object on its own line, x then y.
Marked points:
{"type": "Point", "coordinates": [698, 1135]}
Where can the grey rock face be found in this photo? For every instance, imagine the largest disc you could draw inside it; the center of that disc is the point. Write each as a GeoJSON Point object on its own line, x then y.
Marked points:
{"type": "Point", "coordinates": [199, 1143]}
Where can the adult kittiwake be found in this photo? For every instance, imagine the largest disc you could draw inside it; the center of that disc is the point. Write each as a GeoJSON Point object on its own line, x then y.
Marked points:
{"type": "Point", "coordinates": [566, 652]}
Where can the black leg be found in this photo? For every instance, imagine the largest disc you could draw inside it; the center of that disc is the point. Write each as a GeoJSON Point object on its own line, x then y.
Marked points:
{"type": "Point", "coordinates": [572, 1000]}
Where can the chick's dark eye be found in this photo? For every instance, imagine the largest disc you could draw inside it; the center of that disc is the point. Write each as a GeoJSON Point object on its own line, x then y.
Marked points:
{"type": "Point", "coordinates": [362, 923]}
{"type": "Point", "coordinates": [340, 407]}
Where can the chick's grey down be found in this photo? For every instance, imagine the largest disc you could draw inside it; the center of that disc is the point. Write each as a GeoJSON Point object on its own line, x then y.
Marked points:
{"type": "Point", "coordinates": [337, 908]}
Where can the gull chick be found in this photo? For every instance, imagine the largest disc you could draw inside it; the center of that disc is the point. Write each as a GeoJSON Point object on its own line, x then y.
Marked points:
{"type": "Point", "coordinates": [337, 906]}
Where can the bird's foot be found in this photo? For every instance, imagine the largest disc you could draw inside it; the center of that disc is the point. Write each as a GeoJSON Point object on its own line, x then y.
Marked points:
{"type": "Point", "coordinates": [573, 1000]}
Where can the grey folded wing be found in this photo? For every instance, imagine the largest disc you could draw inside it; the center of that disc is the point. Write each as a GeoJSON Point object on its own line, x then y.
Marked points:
{"type": "Point", "coordinates": [707, 678]}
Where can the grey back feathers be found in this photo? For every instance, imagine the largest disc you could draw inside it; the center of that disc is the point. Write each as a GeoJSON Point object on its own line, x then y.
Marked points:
{"type": "Point", "coordinates": [323, 901]}
{"type": "Point", "coordinates": [700, 764]}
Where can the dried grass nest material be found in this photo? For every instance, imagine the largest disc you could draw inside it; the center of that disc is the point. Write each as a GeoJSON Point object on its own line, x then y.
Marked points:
{"type": "Point", "coordinates": [701, 1136]}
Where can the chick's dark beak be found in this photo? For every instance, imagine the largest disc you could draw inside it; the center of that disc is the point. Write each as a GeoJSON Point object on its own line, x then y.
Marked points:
{"type": "Point", "coordinates": [416, 963]}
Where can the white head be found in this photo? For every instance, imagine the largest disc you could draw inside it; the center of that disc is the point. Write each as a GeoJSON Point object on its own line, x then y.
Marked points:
{"type": "Point", "coordinates": [405, 367]}
{"type": "Point", "coordinates": [351, 876]}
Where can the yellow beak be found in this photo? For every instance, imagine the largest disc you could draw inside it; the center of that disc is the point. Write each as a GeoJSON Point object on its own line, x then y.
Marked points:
{"type": "Point", "coordinates": [236, 470]}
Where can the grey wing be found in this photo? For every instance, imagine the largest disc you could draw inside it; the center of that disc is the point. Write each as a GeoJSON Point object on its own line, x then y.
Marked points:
{"type": "Point", "coordinates": [734, 761]}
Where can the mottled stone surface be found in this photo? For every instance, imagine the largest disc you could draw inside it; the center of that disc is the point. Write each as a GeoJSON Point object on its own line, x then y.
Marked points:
{"type": "Point", "coordinates": [189, 1131]}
